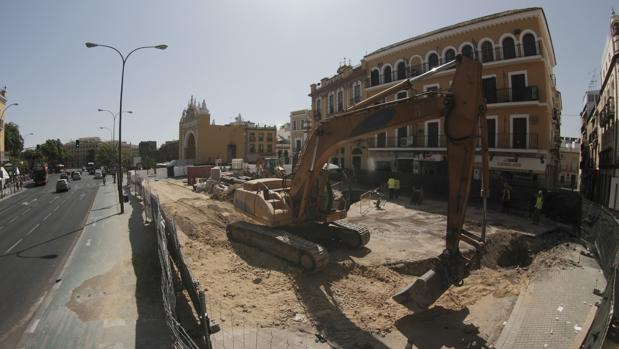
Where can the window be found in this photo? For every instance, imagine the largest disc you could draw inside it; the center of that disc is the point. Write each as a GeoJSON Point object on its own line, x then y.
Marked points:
{"type": "Point", "coordinates": [252, 148]}
{"type": "Point", "coordinates": [261, 148]}
{"type": "Point", "coordinates": [467, 51]}
{"type": "Point", "coordinates": [298, 145]}
{"type": "Point", "coordinates": [269, 148]}
{"type": "Point", "coordinates": [431, 88]}
{"type": "Point", "coordinates": [381, 140]}
{"type": "Point", "coordinates": [519, 129]}
{"type": "Point", "coordinates": [331, 105]}
{"type": "Point", "coordinates": [450, 55]}
{"type": "Point", "coordinates": [294, 124]}
{"type": "Point", "coordinates": [402, 133]}
{"type": "Point", "coordinates": [374, 77]}
{"type": "Point", "coordinates": [509, 48]}
{"type": "Point", "coordinates": [319, 106]}
{"type": "Point", "coordinates": [491, 132]}
{"type": "Point", "coordinates": [487, 52]}
{"type": "Point", "coordinates": [401, 69]}
{"type": "Point", "coordinates": [432, 134]}
{"type": "Point", "coordinates": [432, 60]}
{"type": "Point", "coordinates": [260, 137]}
{"type": "Point", "coordinates": [252, 137]}
{"type": "Point", "coordinates": [356, 93]}
{"type": "Point", "coordinates": [528, 45]}
{"type": "Point", "coordinates": [401, 94]}
{"type": "Point", "coordinates": [489, 87]}
{"type": "Point", "coordinates": [387, 74]}
{"type": "Point", "coordinates": [270, 135]}
{"type": "Point", "coordinates": [518, 83]}
{"type": "Point", "coordinates": [340, 101]}
{"type": "Point", "coordinates": [302, 124]}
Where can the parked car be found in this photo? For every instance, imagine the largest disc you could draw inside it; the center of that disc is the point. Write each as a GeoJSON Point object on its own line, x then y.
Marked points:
{"type": "Point", "coordinates": [76, 176]}
{"type": "Point", "coordinates": [62, 185]}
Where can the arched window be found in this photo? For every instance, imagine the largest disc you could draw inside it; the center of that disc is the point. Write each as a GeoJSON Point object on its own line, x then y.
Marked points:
{"type": "Point", "coordinates": [509, 48]}
{"type": "Point", "coordinates": [450, 55]}
{"type": "Point", "coordinates": [374, 78]}
{"type": "Point", "coordinates": [387, 74]}
{"type": "Point", "coordinates": [487, 52]}
{"type": "Point", "coordinates": [401, 69]}
{"type": "Point", "coordinates": [416, 66]}
{"type": "Point", "coordinates": [528, 44]}
{"type": "Point", "coordinates": [432, 60]}
{"type": "Point", "coordinates": [467, 51]}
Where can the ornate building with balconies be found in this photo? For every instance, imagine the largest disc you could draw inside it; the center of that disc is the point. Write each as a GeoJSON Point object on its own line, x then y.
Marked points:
{"type": "Point", "coordinates": [524, 106]}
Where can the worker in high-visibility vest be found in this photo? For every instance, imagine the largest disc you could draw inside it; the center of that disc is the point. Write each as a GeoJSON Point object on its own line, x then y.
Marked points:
{"type": "Point", "coordinates": [391, 187]}
{"type": "Point", "coordinates": [539, 204]}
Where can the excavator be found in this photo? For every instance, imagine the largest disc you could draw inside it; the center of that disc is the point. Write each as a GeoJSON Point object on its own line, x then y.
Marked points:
{"type": "Point", "coordinates": [295, 212]}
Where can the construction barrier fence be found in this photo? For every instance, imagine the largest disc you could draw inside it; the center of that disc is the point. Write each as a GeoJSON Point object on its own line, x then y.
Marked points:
{"type": "Point", "coordinates": [173, 267]}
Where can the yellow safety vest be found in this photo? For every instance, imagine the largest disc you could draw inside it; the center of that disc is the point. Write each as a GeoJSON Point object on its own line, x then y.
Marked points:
{"type": "Point", "coordinates": [539, 202]}
{"type": "Point", "coordinates": [391, 183]}
{"type": "Point", "coordinates": [397, 184]}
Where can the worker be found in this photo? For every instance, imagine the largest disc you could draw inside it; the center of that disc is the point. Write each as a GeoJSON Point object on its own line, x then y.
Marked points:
{"type": "Point", "coordinates": [506, 196]}
{"type": "Point", "coordinates": [539, 204]}
{"type": "Point", "coordinates": [391, 186]}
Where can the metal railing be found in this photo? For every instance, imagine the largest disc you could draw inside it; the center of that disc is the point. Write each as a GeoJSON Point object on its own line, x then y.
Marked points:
{"type": "Point", "coordinates": [506, 95]}
{"type": "Point", "coordinates": [484, 56]}
{"type": "Point", "coordinates": [421, 140]}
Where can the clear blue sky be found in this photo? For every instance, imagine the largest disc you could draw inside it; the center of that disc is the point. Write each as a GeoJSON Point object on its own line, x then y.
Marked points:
{"type": "Point", "coordinates": [257, 58]}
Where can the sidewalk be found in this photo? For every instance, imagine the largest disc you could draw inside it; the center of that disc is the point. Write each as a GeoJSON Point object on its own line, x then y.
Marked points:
{"type": "Point", "coordinates": [108, 294]}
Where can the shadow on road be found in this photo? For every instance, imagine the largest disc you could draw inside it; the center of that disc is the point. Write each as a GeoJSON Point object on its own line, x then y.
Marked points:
{"type": "Point", "coordinates": [151, 330]}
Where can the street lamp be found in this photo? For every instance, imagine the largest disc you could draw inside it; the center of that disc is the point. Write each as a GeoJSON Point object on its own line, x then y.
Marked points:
{"type": "Point", "coordinates": [114, 117]}
{"type": "Point", "coordinates": [111, 133]}
{"type": "Point", "coordinates": [120, 116]}
{"type": "Point", "coordinates": [2, 114]}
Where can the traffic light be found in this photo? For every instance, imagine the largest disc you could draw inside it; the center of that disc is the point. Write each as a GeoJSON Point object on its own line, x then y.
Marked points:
{"type": "Point", "coordinates": [77, 143]}
{"type": "Point", "coordinates": [38, 147]}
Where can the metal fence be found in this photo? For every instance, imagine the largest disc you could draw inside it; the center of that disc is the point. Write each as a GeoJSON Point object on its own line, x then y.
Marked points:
{"type": "Point", "coordinates": [173, 266]}
{"type": "Point", "coordinates": [600, 228]}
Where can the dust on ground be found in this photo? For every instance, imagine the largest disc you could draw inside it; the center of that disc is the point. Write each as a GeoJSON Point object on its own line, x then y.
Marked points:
{"type": "Point", "coordinates": [349, 303]}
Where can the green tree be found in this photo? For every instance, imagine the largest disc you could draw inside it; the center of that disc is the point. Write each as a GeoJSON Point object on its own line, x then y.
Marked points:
{"type": "Point", "coordinates": [53, 152]}
{"type": "Point", "coordinates": [106, 155]}
{"type": "Point", "coordinates": [31, 157]}
{"type": "Point", "coordinates": [13, 141]}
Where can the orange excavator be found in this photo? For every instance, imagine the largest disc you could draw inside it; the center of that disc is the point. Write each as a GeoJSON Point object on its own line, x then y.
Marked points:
{"type": "Point", "coordinates": [299, 211]}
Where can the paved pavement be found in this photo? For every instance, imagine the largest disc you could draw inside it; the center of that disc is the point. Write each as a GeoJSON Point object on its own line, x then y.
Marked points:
{"type": "Point", "coordinates": [554, 309]}
{"type": "Point", "coordinates": [38, 228]}
{"type": "Point", "coordinates": [109, 293]}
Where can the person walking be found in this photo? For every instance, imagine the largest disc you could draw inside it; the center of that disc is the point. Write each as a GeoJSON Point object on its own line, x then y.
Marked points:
{"type": "Point", "coordinates": [104, 175]}
{"type": "Point", "coordinates": [391, 186]}
{"type": "Point", "coordinates": [537, 209]}
{"type": "Point", "coordinates": [397, 187]}
{"type": "Point", "coordinates": [506, 196]}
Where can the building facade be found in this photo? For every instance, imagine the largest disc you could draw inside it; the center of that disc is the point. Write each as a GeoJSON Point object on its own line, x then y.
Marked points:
{"type": "Point", "coordinates": [300, 124]}
{"type": "Point", "coordinates": [524, 106]}
{"type": "Point", "coordinates": [203, 142]}
{"type": "Point", "coordinates": [570, 162]}
{"type": "Point", "coordinates": [283, 143]}
{"type": "Point", "coordinates": [600, 126]}
{"type": "Point", "coordinates": [590, 146]}
{"type": "Point", "coordinates": [78, 157]}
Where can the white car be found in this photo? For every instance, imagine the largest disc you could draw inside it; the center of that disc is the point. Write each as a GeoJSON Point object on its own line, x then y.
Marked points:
{"type": "Point", "coordinates": [98, 174]}
{"type": "Point", "coordinates": [62, 185]}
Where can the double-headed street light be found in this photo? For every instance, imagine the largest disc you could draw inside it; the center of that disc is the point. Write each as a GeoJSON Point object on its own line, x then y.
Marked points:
{"type": "Point", "coordinates": [111, 133]}
{"type": "Point", "coordinates": [7, 107]}
{"type": "Point", "coordinates": [120, 116]}
{"type": "Point", "coordinates": [114, 117]}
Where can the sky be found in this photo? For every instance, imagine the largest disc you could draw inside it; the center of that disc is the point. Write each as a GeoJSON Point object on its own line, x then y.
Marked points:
{"type": "Point", "coordinates": [257, 58]}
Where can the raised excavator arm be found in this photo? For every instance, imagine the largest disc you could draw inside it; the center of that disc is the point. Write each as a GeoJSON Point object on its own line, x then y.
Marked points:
{"type": "Point", "coordinates": [307, 191]}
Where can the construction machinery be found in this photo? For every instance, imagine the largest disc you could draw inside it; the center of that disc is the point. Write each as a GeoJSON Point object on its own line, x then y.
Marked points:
{"type": "Point", "coordinates": [299, 210]}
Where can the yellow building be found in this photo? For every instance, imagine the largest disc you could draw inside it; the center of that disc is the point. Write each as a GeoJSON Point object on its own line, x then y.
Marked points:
{"type": "Point", "coordinates": [204, 142]}
{"type": "Point", "coordinates": [524, 106]}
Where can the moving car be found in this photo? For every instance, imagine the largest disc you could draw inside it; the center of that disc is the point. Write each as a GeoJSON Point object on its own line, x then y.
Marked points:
{"type": "Point", "coordinates": [76, 176]}
{"type": "Point", "coordinates": [62, 185]}
{"type": "Point", "coordinates": [64, 175]}
{"type": "Point", "coordinates": [98, 174]}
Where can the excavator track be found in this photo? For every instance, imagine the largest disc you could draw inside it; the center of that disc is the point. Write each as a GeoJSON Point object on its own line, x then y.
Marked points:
{"type": "Point", "coordinates": [308, 255]}
{"type": "Point", "coordinates": [351, 235]}
{"type": "Point", "coordinates": [334, 234]}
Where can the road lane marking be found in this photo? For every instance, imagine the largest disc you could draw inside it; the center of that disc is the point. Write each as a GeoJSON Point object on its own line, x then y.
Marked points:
{"type": "Point", "coordinates": [25, 211]}
{"type": "Point", "coordinates": [33, 228]}
{"type": "Point", "coordinates": [33, 200]}
{"type": "Point", "coordinates": [88, 243]}
{"type": "Point", "coordinates": [34, 326]}
{"type": "Point", "coordinates": [55, 197]}
{"type": "Point", "coordinates": [46, 217]}
{"type": "Point", "coordinates": [57, 207]}
{"type": "Point", "coordinates": [12, 247]}
{"type": "Point", "coordinates": [12, 219]}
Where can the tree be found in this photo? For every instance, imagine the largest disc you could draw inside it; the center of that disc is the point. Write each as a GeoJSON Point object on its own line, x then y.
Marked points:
{"type": "Point", "coordinates": [106, 155]}
{"type": "Point", "coordinates": [31, 156]}
{"type": "Point", "coordinates": [13, 141]}
{"type": "Point", "coordinates": [53, 152]}
{"type": "Point", "coordinates": [168, 151]}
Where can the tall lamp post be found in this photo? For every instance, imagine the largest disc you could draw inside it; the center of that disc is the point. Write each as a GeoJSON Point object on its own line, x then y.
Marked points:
{"type": "Point", "coordinates": [120, 116]}
{"type": "Point", "coordinates": [114, 117]}
{"type": "Point", "coordinates": [111, 133]}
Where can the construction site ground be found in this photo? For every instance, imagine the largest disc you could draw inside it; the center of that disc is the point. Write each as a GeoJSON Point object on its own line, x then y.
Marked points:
{"type": "Point", "coordinates": [261, 301]}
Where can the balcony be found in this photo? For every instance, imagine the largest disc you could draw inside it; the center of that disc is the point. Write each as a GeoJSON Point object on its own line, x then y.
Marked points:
{"type": "Point", "coordinates": [495, 141]}
{"type": "Point", "coordinates": [485, 56]}
{"type": "Point", "coordinates": [507, 95]}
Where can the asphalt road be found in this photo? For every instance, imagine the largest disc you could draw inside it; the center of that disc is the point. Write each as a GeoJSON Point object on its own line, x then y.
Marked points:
{"type": "Point", "coordinates": [38, 229]}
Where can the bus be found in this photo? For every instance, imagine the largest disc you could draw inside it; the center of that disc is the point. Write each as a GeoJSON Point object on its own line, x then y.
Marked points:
{"type": "Point", "coordinates": [39, 174]}
{"type": "Point", "coordinates": [90, 167]}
